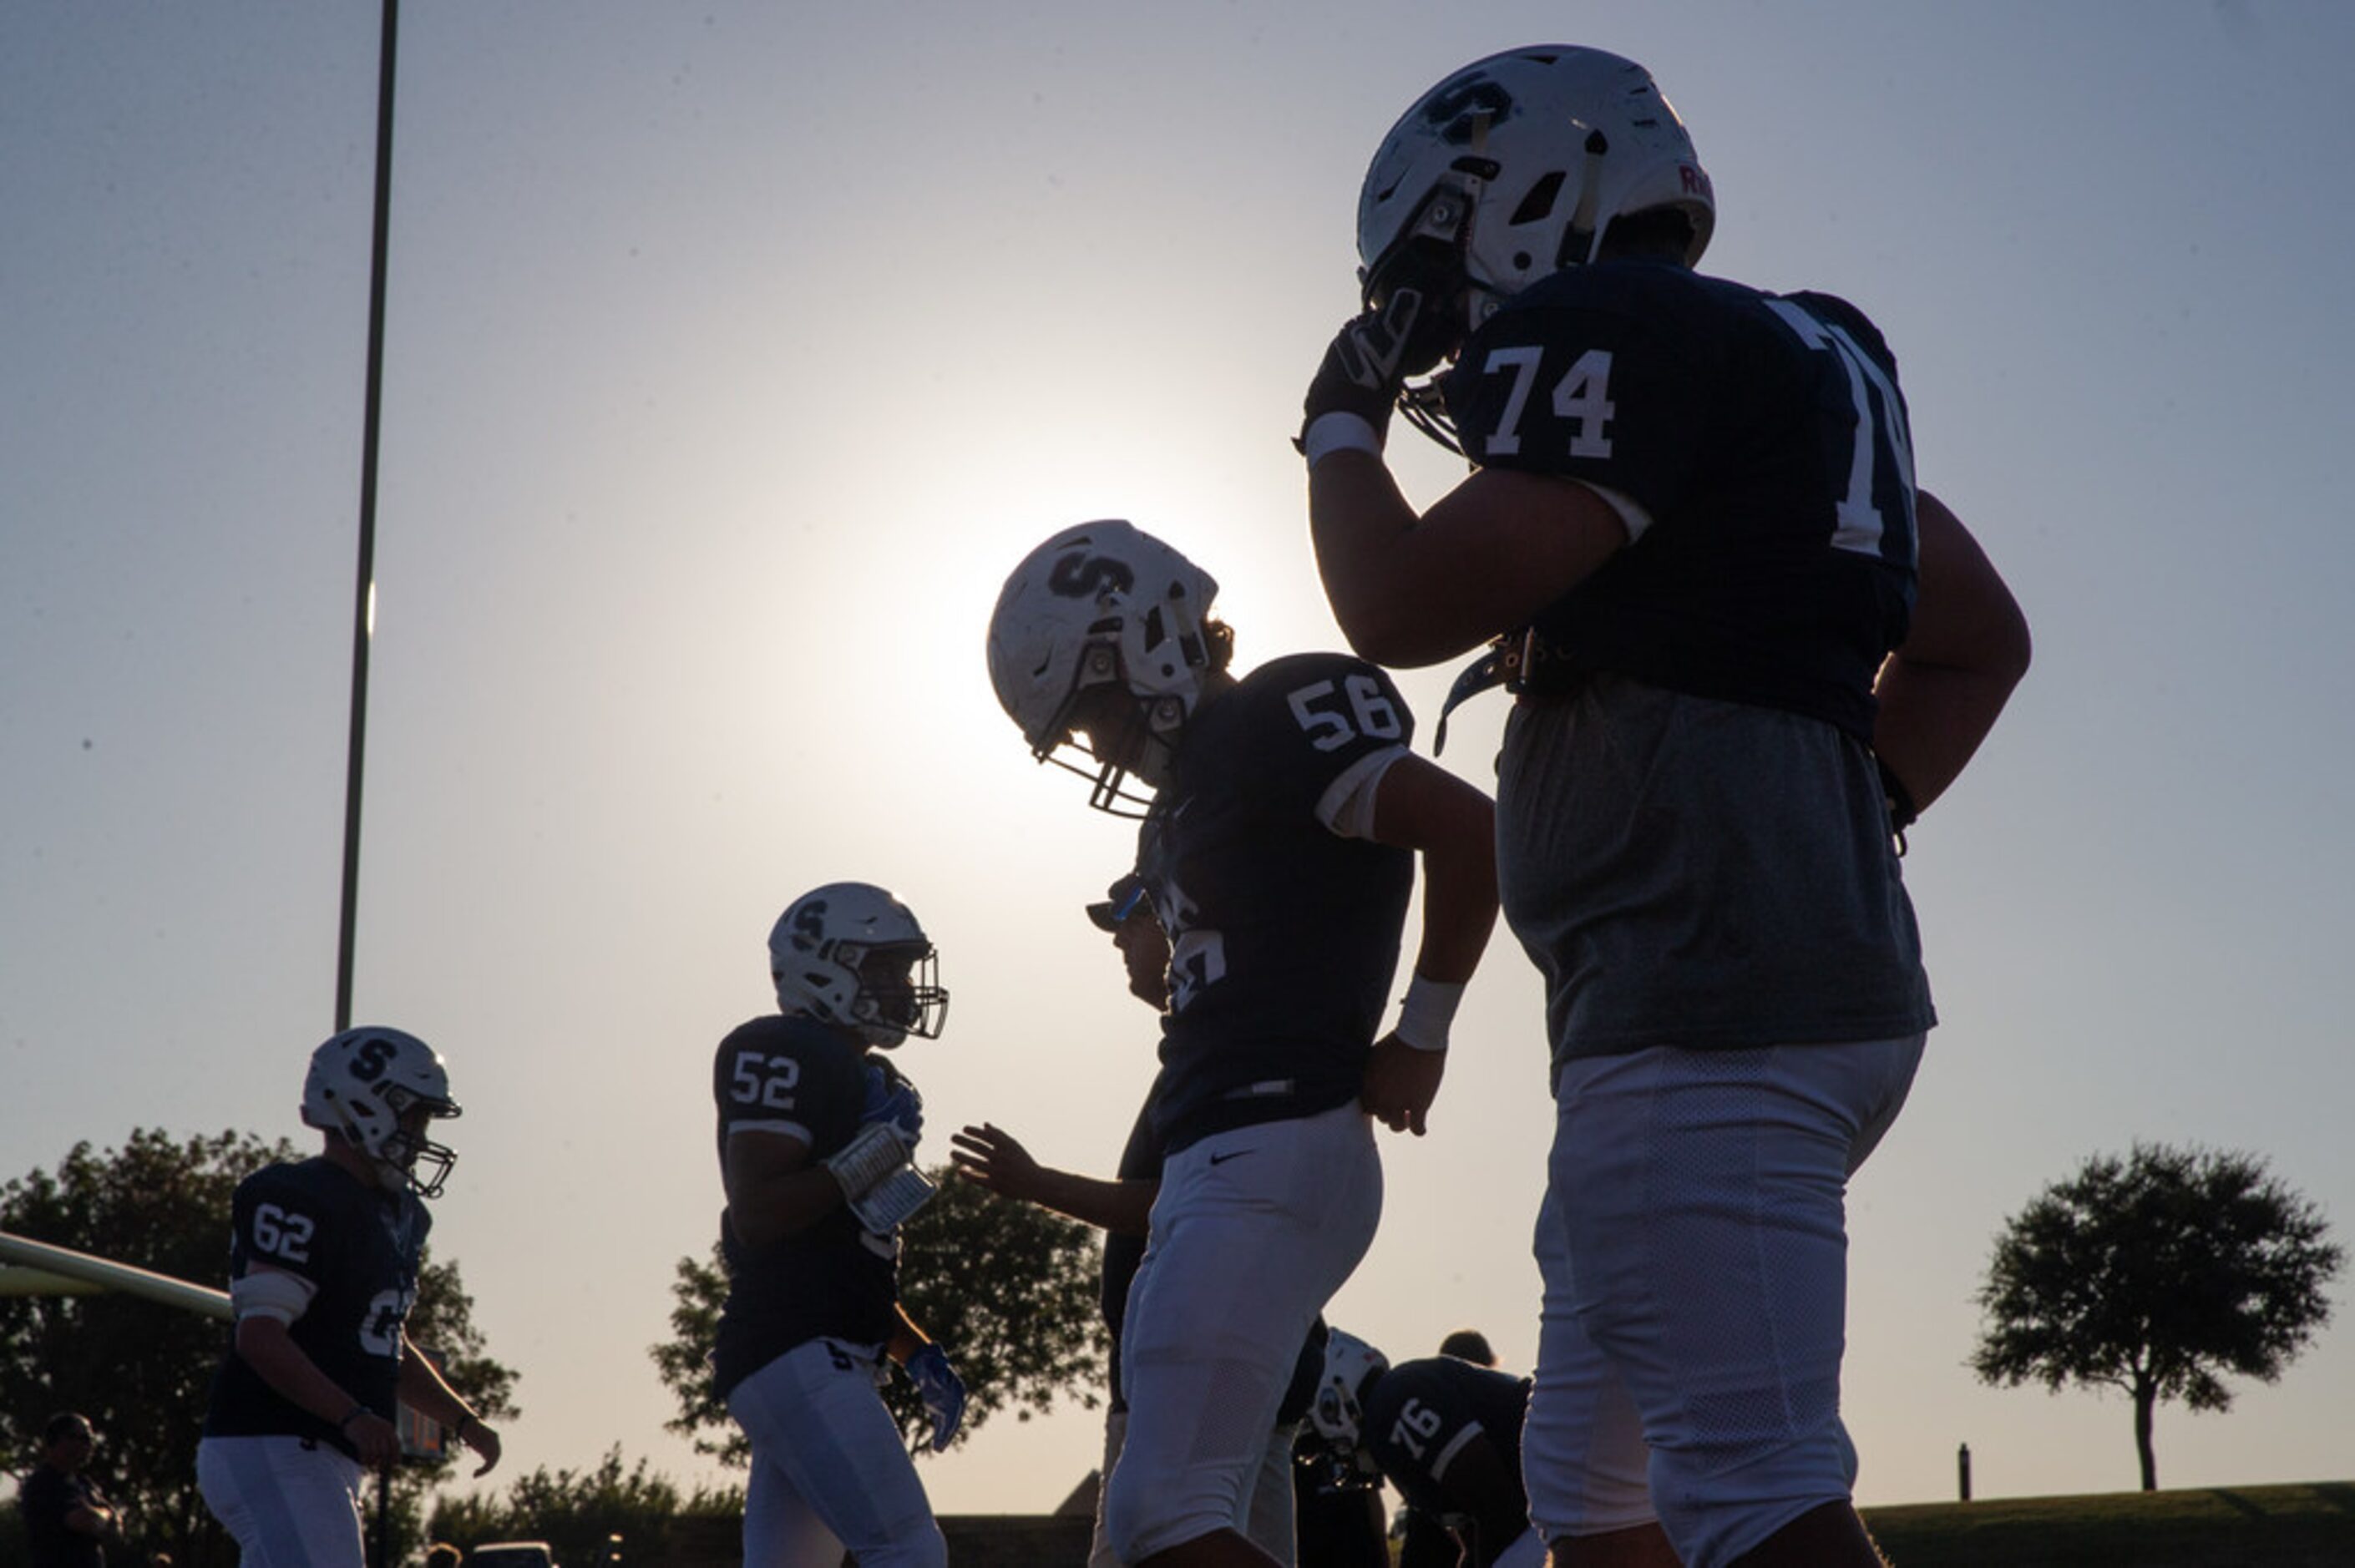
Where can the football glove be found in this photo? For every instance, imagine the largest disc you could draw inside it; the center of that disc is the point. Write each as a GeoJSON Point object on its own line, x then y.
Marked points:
{"type": "Point", "coordinates": [942, 1390]}
{"type": "Point", "coordinates": [1369, 362]}
{"type": "Point", "coordinates": [895, 1104]}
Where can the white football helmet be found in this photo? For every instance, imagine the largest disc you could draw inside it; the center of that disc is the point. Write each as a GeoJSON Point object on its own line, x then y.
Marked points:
{"type": "Point", "coordinates": [1350, 1364]}
{"type": "Point", "coordinates": [368, 1085]}
{"type": "Point", "coordinates": [1102, 608]}
{"type": "Point", "coordinates": [849, 953]}
{"type": "Point", "coordinates": [1512, 168]}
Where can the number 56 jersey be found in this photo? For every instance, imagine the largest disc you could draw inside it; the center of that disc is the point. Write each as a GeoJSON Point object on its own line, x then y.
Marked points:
{"type": "Point", "coordinates": [360, 1248]}
{"type": "Point", "coordinates": [1283, 932]}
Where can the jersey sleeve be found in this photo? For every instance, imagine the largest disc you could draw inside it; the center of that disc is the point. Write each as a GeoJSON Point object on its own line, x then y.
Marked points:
{"type": "Point", "coordinates": [278, 1221]}
{"type": "Point", "coordinates": [1324, 719]}
{"type": "Point", "coordinates": [1591, 380]}
{"type": "Point", "coordinates": [769, 1077]}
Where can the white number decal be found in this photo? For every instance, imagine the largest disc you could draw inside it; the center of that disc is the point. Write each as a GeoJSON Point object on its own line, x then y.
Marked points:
{"type": "Point", "coordinates": [281, 1235]}
{"type": "Point", "coordinates": [772, 1089]}
{"type": "Point", "coordinates": [1859, 524]}
{"type": "Point", "coordinates": [1416, 1419]}
{"type": "Point", "coordinates": [1199, 959]}
{"type": "Point", "coordinates": [1584, 397]}
{"type": "Point", "coordinates": [1374, 713]}
{"type": "Point", "coordinates": [1198, 954]}
{"type": "Point", "coordinates": [1523, 364]}
{"type": "Point", "coordinates": [380, 1326]}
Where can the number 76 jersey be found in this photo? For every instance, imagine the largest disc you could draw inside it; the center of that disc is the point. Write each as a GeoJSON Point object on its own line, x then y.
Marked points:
{"type": "Point", "coordinates": [1283, 931]}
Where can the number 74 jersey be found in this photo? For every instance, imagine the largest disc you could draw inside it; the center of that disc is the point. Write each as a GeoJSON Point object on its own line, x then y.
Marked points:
{"type": "Point", "coordinates": [1757, 447]}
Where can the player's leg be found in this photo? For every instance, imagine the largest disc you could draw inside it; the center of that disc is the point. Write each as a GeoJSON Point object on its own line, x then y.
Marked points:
{"type": "Point", "coordinates": [1100, 1552]}
{"type": "Point", "coordinates": [1584, 1462]}
{"type": "Point", "coordinates": [813, 1418]}
{"type": "Point", "coordinates": [287, 1505]}
{"type": "Point", "coordinates": [1253, 1231]}
{"type": "Point", "coordinates": [781, 1529]}
{"type": "Point", "coordinates": [1709, 1244]}
{"type": "Point", "coordinates": [1268, 1521]}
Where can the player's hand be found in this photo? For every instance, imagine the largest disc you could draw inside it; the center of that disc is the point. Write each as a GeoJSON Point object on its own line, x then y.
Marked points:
{"type": "Point", "coordinates": [374, 1439]}
{"type": "Point", "coordinates": [1369, 361]}
{"type": "Point", "coordinates": [484, 1441]}
{"type": "Point", "coordinates": [942, 1390]}
{"type": "Point", "coordinates": [989, 1157]}
{"type": "Point", "coordinates": [1400, 1083]}
{"type": "Point", "coordinates": [898, 1104]}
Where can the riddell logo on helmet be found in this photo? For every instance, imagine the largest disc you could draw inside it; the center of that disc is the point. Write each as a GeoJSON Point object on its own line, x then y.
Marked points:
{"type": "Point", "coordinates": [1695, 182]}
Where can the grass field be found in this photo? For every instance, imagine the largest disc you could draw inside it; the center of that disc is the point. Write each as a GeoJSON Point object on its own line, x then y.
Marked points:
{"type": "Point", "coordinates": [2306, 1526]}
{"type": "Point", "coordinates": [2311, 1525]}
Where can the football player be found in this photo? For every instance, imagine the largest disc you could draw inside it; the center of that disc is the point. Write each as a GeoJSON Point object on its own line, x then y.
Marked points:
{"type": "Point", "coordinates": [323, 1257]}
{"type": "Point", "coordinates": [817, 1131]}
{"type": "Point", "coordinates": [991, 1156]}
{"type": "Point", "coordinates": [1280, 840]}
{"type": "Point", "coordinates": [1747, 652]}
{"type": "Point", "coordinates": [1446, 1433]}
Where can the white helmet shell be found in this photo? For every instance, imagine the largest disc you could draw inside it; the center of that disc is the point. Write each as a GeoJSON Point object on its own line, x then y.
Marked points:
{"type": "Point", "coordinates": [361, 1084]}
{"type": "Point", "coordinates": [1518, 164]}
{"type": "Point", "coordinates": [849, 953]}
{"type": "Point", "coordinates": [1339, 1405]}
{"type": "Point", "coordinates": [1100, 603]}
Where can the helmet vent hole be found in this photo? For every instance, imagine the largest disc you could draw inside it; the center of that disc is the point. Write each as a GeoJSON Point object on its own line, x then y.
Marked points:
{"type": "Point", "coordinates": [1539, 202]}
{"type": "Point", "coordinates": [1155, 631]}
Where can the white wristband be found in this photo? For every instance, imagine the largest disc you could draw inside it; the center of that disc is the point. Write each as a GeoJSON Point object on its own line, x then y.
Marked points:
{"type": "Point", "coordinates": [1339, 431]}
{"type": "Point", "coordinates": [1428, 1009]}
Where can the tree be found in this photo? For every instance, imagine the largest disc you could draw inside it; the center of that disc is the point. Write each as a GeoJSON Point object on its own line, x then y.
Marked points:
{"type": "Point", "coordinates": [143, 1372]}
{"type": "Point", "coordinates": [1009, 1290]}
{"type": "Point", "coordinates": [2157, 1274]}
{"type": "Point", "coordinates": [586, 1516]}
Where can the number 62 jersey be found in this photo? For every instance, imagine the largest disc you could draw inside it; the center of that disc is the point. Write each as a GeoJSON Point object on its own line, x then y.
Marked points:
{"type": "Point", "coordinates": [360, 1248]}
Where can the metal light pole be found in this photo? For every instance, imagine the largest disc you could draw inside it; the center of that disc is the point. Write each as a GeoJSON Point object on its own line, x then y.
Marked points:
{"type": "Point", "coordinates": [364, 606]}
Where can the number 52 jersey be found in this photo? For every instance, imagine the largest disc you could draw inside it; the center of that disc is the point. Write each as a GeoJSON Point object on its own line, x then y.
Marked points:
{"type": "Point", "coordinates": [360, 1248]}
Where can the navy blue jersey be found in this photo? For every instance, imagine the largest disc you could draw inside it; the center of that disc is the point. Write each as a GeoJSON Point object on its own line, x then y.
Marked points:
{"type": "Point", "coordinates": [1284, 935]}
{"type": "Point", "coordinates": [1766, 438]}
{"type": "Point", "coordinates": [1420, 1415]}
{"type": "Point", "coordinates": [807, 1080]}
{"type": "Point", "coordinates": [360, 1246]}
{"type": "Point", "coordinates": [46, 1498]}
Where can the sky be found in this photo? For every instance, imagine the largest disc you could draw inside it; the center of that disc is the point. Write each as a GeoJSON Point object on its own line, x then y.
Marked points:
{"type": "Point", "coordinates": [735, 354]}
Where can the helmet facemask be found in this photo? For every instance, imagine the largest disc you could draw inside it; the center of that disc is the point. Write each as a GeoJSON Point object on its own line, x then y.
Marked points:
{"type": "Point", "coordinates": [898, 991]}
{"type": "Point", "coordinates": [1127, 732]}
{"type": "Point", "coordinates": [407, 1147]}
